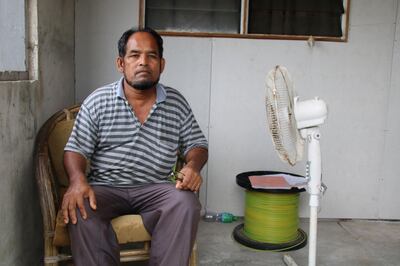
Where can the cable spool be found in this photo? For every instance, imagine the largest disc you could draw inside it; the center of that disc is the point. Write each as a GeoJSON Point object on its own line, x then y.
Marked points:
{"type": "Point", "coordinates": [271, 217]}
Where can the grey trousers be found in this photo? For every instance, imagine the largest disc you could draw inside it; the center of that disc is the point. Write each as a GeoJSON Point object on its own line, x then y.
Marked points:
{"type": "Point", "coordinates": [170, 215]}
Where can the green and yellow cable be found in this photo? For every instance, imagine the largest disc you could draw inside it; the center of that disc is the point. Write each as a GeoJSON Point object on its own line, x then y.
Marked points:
{"type": "Point", "coordinates": [271, 217]}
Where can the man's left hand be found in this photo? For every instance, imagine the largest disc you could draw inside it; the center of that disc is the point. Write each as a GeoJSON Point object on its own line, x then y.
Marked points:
{"type": "Point", "coordinates": [189, 179]}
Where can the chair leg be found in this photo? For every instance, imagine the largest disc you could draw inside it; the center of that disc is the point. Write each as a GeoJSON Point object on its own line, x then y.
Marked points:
{"type": "Point", "coordinates": [52, 257]}
{"type": "Point", "coordinates": [193, 257]}
{"type": "Point", "coordinates": [50, 252]}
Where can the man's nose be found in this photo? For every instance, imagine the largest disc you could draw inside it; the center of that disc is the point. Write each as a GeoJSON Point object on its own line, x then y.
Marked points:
{"type": "Point", "coordinates": [143, 60]}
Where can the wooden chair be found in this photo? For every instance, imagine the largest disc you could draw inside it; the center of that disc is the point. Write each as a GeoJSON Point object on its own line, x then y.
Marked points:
{"type": "Point", "coordinates": [52, 183]}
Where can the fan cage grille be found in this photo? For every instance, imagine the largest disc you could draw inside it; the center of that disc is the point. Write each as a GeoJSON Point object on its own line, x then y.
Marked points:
{"type": "Point", "coordinates": [280, 116]}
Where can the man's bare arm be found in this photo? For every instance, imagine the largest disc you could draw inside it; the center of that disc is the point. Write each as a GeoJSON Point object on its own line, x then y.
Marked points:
{"type": "Point", "coordinates": [78, 190]}
{"type": "Point", "coordinates": [190, 174]}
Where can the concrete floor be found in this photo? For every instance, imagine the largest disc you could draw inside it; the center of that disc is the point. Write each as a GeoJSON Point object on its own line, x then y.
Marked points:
{"type": "Point", "coordinates": [339, 243]}
{"type": "Point", "coordinates": [350, 242]}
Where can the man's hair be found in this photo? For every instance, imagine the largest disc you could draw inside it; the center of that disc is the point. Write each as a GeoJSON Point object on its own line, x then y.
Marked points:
{"type": "Point", "coordinates": [127, 34]}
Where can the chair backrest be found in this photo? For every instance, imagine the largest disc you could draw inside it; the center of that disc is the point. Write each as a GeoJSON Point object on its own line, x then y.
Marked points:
{"type": "Point", "coordinates": [58, 137]}
{"type": "Point", "coordinates": [51, 177]}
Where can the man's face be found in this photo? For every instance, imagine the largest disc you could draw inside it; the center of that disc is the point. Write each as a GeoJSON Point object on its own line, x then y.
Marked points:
{"type": "Point", "coordinates": [141, 64]}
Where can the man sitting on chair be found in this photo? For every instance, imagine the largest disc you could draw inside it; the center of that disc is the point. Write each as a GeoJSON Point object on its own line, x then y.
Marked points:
{"type": "Point", "coordinates": [131, 131]}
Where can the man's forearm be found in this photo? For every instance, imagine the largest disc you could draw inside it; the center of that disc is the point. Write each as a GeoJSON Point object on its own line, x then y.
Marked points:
{"type": "Point", "coordinates": [196, 158]}
{"type": "Point", "coordinates": [78, 190]}
{"type": "Point", "coordinates": [75, 166]}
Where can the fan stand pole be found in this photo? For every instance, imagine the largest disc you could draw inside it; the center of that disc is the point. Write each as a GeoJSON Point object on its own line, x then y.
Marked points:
{"type": "Point", "coordinates": [312, 252]}
{"type": "Point", "coordinates": [314, 188]}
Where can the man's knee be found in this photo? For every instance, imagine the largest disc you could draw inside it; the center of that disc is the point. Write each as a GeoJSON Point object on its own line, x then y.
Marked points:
{"type": "Point", "coordinates": [187, 200]}
{"type": "Point", "coordinates": [91, 217]}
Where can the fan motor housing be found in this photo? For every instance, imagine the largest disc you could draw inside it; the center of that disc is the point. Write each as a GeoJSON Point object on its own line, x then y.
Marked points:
{"type": "Point", "coordinates": [310, 113]}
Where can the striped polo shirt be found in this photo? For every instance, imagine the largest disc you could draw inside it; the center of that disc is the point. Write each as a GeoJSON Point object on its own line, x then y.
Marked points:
{"type": "Point", "coordinates": [124, 152]}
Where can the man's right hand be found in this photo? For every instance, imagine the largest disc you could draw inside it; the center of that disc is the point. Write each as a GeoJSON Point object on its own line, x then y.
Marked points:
{"type": "Point", "coordinates": [77, 192]}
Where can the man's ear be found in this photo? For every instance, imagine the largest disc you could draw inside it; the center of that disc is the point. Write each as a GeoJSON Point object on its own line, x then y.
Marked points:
{"type": "Point", "coordinates": [162, 65]}
{"type": "Point", "coordinates": [120, 64]}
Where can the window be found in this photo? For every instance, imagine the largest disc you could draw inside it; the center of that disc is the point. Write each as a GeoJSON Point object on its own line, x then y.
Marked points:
{"type": "Point", "coordinates": [194, 16]}
{"type": "Point", "coordinates": [13, 49]}
{"type": "Point", "coordinates": [282, 19]}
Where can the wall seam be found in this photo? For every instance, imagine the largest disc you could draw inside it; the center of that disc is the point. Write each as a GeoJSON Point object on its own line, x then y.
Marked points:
{"type": "Point", "coordinates": [387, 113]}
{"type": "Point", "coordinates": [209, 118]}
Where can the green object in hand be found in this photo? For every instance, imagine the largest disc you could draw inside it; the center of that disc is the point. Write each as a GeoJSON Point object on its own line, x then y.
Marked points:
{"type": "Point", "coordinates": [174, 176]}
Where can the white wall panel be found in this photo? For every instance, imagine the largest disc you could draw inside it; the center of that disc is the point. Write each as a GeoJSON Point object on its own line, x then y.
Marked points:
{"type": "Point", "coordinates": [239, 139]}
{"type": "Point", "coordinates": [187, 69]}
{"type": "Point", "coordinates": [355, 85]}
{"type": "Point", "coordinates": [370, 12]}
{"type": "Point", "coordinates": [353, 78]}
{"type": "Point", "coordinates": [99, 25]}
{"type": "Point", "coordinates": [223, 79]}
{"type": "Point", "coordinates": [390, 178]}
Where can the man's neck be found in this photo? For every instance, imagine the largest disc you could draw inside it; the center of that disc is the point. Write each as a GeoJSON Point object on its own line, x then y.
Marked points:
{"type": "Point", "coordinates": [137, 95]}
{"type": "Point", "coordinates": [141, 101]}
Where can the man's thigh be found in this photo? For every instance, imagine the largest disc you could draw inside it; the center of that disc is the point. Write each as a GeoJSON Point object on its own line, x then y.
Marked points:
{"type": "Point", "coordinates": [111, 202]}
{"type": "Point", "coordinates": [163, 201]}
{"type": "Point", "coordinates": [157, 196]}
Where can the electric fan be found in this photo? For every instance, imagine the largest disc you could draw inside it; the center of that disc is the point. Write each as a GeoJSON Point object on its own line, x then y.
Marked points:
{"type": "Point", "coordinates": [291, 123]}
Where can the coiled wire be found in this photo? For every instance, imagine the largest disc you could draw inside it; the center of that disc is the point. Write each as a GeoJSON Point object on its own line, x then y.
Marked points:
{"type": "Point", "coordinates": [271, 217]}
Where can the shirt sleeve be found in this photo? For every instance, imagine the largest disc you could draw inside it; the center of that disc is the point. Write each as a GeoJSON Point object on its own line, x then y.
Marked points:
{"type": "Point", "coordinates": [83, 138]}
{"type": "Point", "coordinates": [191, 135]}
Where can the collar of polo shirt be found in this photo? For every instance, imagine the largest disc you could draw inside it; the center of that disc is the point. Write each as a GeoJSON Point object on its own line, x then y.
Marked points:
{"type": "Point", "coordinates": [160, 91]}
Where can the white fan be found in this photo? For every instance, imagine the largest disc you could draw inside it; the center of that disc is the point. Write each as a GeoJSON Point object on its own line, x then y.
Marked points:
{"type": "Point", "coordinates": [291, 122]}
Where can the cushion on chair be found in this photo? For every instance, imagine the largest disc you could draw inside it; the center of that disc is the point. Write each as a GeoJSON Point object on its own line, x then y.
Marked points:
{"type": "Point", "coordinates": [128, 228]}
{"type": "Point", "coordinates": [57, 140]}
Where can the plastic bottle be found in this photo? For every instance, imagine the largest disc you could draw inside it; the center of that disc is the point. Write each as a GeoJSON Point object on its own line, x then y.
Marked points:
{"type": "Point", "coordinates": [223, 217]}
